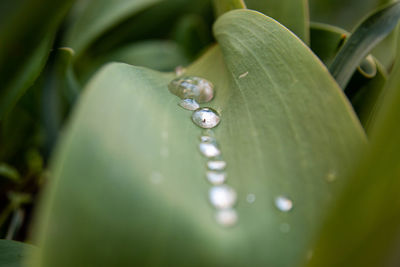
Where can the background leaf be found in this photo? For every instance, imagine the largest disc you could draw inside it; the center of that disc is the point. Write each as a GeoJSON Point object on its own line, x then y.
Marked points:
{"type": "Point", "coordinates": [26, 39]}
{"type": "Point", "coordinates": [372, 30]}
{"type": "Point", "coordinates": [293, 14]}
{"type": "Point", "coordinates": [131, 152]}
{"type": "Point", "coordinates": [14, 254]}
{"type": "Point", "coordinates": [369, 209]}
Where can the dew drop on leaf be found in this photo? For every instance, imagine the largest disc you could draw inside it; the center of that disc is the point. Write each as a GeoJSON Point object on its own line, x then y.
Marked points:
{"type": "Point", "coordinates": [216, 165]}
{"type": "Point", "coordinates": [189, 104]}
{"type": "Point", "coordinates": [226, 217]}
{"type": "Point", "coordinates": [216, 178]}
{"type": "Point", "coordinates": [207, 139]}
{"type": "Point", "coordinates": [283, 203]}
{"type": "Point", "coordinates": [209, 150]}
{"type": "Point", "coordinates": [206, 118]}
{"type": "Point", "coordinates": [192, 87]}
{"type": "Point", "coordinates": [222, 196]}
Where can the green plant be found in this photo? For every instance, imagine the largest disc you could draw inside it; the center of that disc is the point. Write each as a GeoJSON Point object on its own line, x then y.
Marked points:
{"type": "Point", "coordinates": [309, 112]}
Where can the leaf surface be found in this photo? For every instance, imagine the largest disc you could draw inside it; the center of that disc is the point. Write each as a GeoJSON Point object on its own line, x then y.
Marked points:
{"type": "Point", "coordinates": [130, 158]}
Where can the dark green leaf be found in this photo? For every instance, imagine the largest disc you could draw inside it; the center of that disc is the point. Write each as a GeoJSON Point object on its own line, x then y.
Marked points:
{"type": "Point", "coordinates": [365, 37]}
{"type": "Point", "coordinates": [14, 254]}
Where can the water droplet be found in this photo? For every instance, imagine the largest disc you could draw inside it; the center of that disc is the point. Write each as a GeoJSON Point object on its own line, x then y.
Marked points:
{"type": "Point", "coordinates": [283, 203]}
{"type": "Point", "coordinates": [205, 118]}
{"type": "Point", "coordinates": [189, 104]}
{"type": "Point", "coordinates": [226, 217]}
{"type": "Point", "coordinates": [222, 196]}
{"type": "Point", "coordinates": [310, 254]}
{"type": "Point", "coordinates": [156, 177]}
{"type": "Point", "coordinates": [209, 150]}
{"type": "Point", "coordinates": [216, 165]}
{"type": "Point", "coordinates": [216, 178]}
{"type": "Point", "coordinates": [284, 227]}
{"type": "Point", "coordinates": [207, 139]}
{"type": "Point", "coordinates": [331, 176]}
{"type": "Point", "coordinates": [192, 87]}
{"type": "Point", "coordinates": [243, 75]}
{"type": "Point", "coordinates": [164, 135]}
{"type": "Point", "coordinates": [251, 198]}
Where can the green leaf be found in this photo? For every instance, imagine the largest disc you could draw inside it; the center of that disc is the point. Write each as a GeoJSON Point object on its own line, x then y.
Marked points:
{"type": "Point", "coordinates": [9, 172]}
{"type": "Point", "coordinates": [372, 30]}
{"type": "Point", "coordinates": [130, 158]}
{"type": "Point", "coordinates": [14, 254]}
{"type": "Point", "coordinates": [293, 14]}
{"type": "Point", "coordinates": [94, 17]}
{"type": "Point", "coordinates": [326, 40]}
{"type": "Point", "coordinates": [159, 55]}
{"type": "Point", "coordinates": [223, 6]}
{"type": "Point", "coordinates": [26, 38]}
{"type": "Point", "coordinates": [363, 226]}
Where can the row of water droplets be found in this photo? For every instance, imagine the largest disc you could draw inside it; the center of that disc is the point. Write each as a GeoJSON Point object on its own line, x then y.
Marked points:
{"type": "Point", "coordinates": [192, 91]}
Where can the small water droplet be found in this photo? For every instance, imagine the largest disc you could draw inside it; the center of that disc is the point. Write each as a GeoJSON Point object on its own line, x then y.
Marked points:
{"type": "Point", "coordinates": [216, 178]}
{"type": "Point", "coordinates": [205, 118]}
{"type": "Point", "coordinates": [251, 198]}
{"type": "Point", "coordinates": [210, 150]}
{"type": "Point", "coordinates": [192, 87]}
{"type": "Point", "coordinates": [207, 139]}
{"type": "Point", "coordinates": [216, 165]}
{"type": "Point", "coordinates": [222, 196]}
{"type": "Point", "coordinates": [156, 177]}
{"type": "Point", "coordinates": [226, 217]}
{"type": "Point", "coordinates": [331, 176]}
{"type": "Point", "coordinates": [164, 135]}
{"type": "Point", "coordinates": [284, 227]}
{"type": "Point", "coordinates": [310, 254]}
{"type": "Point", "coordinates": [283, 203]}
{"type": "Point", "coordinates": [243, 75]}
{"type": "Point", "coordinates": [189, 104]}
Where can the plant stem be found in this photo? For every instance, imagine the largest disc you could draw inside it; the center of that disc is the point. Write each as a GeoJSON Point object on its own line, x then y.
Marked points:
{"type": "Point", "coordinates": [223, 6]}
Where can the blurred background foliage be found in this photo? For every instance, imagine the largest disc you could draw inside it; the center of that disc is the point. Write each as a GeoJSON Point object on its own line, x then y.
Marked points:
{"type": "Point", "coordinates": [50, 49]}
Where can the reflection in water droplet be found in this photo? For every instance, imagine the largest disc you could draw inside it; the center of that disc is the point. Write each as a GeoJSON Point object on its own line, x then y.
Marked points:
{"type": "Point", "coordinates": [216, 178]}
{"type": "Point", "coordinates": [205, 118]}
{"type": "Point", "coordinates": [156, 177]}
{"type": "Point", "coordinates": [209, 150]}
{"type": "Point", "coordinates": [207, 139]}
{"type": "Point", "coordinates": [192, 87]}
{"type": "Point", "coordinates": [222, 196]}
{"type": "Point", "coordinates": [226, 217]}
{"type": "Point", "coordinates": [251, 198]}
{"type": "Point", "coordinates": [189, 104]}
{"type": "Point", "coordinates": [331, 176]}
{"type": "Point", "coordinates": [216, 165]}
{"type": "Point", "coordinates": [285, 227]}
{"type": "Point", "coordinates": [283, 203]}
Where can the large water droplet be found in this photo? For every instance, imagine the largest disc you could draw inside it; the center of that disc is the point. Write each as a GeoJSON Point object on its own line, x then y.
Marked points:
{"type": "Point", "coordinates": [189, 104]}
{"type": "Point", "coordinates": [222, 196]}
{"type": "Point", "coordinates": [209, 150]}
{"type": "Point", "coordinates": [216, 165]}
{"type": "Point", "coordinates": [192, 87]}
{"type": "Point", "coordinates": [216, 178]}
{"type": "Point", "coordinates": [283, 203]}
{"type": "Point", "coordinates": [206, 118]}
{"type": "Point", "coordinates": [226, 217]}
